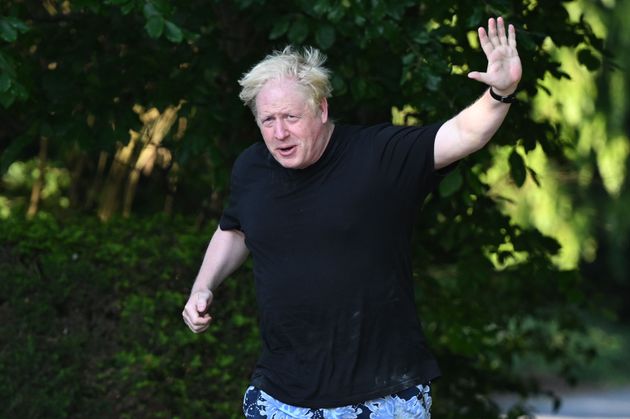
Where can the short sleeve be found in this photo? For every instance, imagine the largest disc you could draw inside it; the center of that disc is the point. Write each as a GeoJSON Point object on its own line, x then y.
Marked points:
{"type": "Point", "coordinates": [230, 219]}
{"type": "Point", "coordinates": [406, 158]}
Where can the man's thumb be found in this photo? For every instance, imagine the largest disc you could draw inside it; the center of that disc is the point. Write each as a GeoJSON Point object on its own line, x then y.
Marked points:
{"type": "Point", "coordinates": [201, 304]}
{"type": "Point", "coordinates": [476, 75]}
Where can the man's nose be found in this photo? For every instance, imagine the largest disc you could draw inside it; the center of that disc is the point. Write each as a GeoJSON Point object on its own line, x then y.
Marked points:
{"type": "Point", "coordinates": [280, 130]}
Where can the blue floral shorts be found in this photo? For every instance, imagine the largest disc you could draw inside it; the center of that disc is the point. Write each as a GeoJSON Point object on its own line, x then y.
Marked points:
{"type": "Point", "coordinates": [412, 403]}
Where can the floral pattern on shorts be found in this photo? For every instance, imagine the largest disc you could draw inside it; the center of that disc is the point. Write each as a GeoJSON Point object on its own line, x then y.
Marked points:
{"type": "Point", "coordinates": [412, 403]}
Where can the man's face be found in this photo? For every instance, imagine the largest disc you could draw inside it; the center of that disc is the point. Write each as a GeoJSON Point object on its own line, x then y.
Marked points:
{"type": "Point", "coordinates": [295, 135]}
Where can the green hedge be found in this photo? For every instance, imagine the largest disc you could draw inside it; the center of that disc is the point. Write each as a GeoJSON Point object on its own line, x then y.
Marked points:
{"type": "Point", "coordinates": [91, 322]}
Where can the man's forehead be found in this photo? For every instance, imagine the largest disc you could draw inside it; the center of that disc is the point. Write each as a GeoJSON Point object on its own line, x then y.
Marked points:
{"type": "Point", "coordinates": [282, 90]}
{"type": "Point", "coordinates": [277, 98]}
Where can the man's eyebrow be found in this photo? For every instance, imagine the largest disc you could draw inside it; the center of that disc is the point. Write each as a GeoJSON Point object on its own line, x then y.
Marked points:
{"type": "Point", "coordinates": [282, 114]}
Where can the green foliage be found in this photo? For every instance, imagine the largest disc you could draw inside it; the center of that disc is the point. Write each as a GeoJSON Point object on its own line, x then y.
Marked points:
{"type": "Point", "coordinates": [483, 314]}
{"type": "Point", "coordinates": [10, 27]}
{"type": "Point", "coordinates": [98, 59]}
{"type": "Point", "coordinates": [10, 87]}
{"type": "Point", "coordinates": [584, 194]}
{"type": "Point", "coordinates": [91, 322]}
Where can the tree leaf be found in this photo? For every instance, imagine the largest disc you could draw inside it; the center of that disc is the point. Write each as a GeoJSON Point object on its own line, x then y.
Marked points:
{"type": "Point", "coordinates": [298, 32]}
{"type": "Point", "coordinates": [150, 11]}
{"type": "Point", "coordinates": [534, 176]}
{"type": "Point", "coordinates": [17, 24]}
{"type": "Point", "coordinates": [518, 172]}
{"type": "Point", "coordinates": [127, 8]}
{"type": "Point", "coordinates": [173, 32]}
{"type": "Point", "coordinates": [279, 28]}
{"type": "Point", "coordinates": [451, 183]}
{"type": "Point", "coordinates": [155, 26]}
{"type": "Point", "coordinates": [7, 100]}
{"type": "Point", "coordinates": [7, 31]}
{"type": "Point", "coordinates": [5, 82]}
{"type": "Point", "coordinates": [588, 59]}
{"type": "Point", "coordinates": [325, 36]}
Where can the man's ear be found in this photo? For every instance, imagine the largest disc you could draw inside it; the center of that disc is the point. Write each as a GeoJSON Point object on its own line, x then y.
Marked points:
{"type": "Point", "coordinates": [323, 109]}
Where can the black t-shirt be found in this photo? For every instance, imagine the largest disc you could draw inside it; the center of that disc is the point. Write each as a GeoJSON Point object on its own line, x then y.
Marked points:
{"type": "Point", "coordinates": [331, 246]}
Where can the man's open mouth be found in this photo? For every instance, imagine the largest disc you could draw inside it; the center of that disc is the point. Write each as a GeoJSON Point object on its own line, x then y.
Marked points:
{"type": "Point", "coordinates": [285, 151]}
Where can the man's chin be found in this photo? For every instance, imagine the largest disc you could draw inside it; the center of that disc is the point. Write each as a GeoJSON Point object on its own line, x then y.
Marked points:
{"type": "Point", "coordinates": [289, 163]}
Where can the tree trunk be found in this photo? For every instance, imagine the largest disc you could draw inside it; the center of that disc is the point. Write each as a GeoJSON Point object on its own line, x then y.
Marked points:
{"type": "Point", "coordinates": [110, 199]}
{"type": "Point", "coordinates": [97, 183]}
{"type": "Point", "coordinates": [74, 192]}
{"type": "Point", "coordinates": [156, 128]}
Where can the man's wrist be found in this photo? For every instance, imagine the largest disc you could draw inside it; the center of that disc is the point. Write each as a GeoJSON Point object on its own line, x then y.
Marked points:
{"type": "Point", "coordinates": [504, 96]}
{"type": "Point", "coordinates": [201, 288]}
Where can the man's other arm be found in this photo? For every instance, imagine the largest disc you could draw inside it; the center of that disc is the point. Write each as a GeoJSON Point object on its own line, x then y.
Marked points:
{"type": "Point", "coordinates": [225, 253]}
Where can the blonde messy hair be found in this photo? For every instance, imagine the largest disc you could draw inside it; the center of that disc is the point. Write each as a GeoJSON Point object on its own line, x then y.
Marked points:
{"type": "Point", "coordinates": [305, 67]}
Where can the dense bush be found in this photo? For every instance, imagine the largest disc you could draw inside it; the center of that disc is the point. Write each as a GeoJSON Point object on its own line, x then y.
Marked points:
{"type": "Point", "coordinates": [91, 323]}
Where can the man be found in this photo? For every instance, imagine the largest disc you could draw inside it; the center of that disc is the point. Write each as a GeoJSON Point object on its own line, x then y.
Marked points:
{"type": "Point", "coordinates": [326, 211]}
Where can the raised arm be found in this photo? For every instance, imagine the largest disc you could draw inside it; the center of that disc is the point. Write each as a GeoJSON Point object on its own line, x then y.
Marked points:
{"type": "Point", "coordinates": [473, 127]}
{"type": "Point", "coordinates": [225, 253]}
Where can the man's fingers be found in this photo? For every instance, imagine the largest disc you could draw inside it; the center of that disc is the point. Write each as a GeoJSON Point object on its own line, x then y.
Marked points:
{"type": "Point", "coordinates": [195, 322]}
{"type": "Point", "coordinates": [203, 329]}
{"type": "Point", "coordinates": [201, 325]}
{"type": "Point", "coordinates": [512, 36]}
{"type": "Point", "coordinates": [492, 32]}
{"type": "Point", "coordinates": [202, 321]}
{"type": "Point", "coordinates": [195, 312]}
{"type": "Point", "coordinates": [501, 31]}
{"type": "Point", "coordinates": [485, 43]}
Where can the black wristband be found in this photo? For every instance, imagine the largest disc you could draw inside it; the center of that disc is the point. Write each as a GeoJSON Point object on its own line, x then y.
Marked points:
{"type": "Point", "coordinates": [504, 99]}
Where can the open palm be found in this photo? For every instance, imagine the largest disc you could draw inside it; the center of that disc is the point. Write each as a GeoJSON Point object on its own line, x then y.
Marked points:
{"type": "Point", "coordinates": [504, 65]}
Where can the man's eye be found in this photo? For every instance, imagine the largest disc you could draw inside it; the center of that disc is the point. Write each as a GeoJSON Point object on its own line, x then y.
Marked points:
{"type": "Point", "coordinates": [292, 118]}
